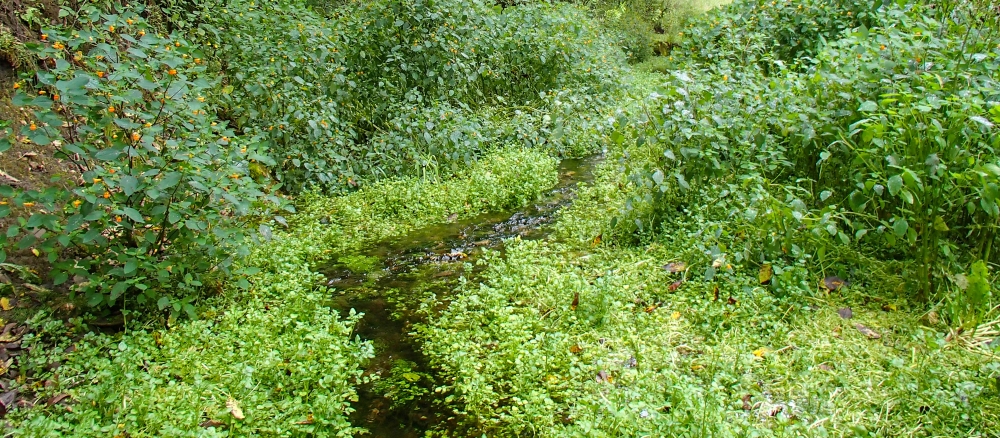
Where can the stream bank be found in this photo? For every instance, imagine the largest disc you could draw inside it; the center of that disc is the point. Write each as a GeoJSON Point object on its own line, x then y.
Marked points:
{"type": "Point", "coordinates": [399, 282]}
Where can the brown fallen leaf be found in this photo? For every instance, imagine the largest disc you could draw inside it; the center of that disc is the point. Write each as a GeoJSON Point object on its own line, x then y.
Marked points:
{"type": "Point", "coordinates": [575, 349]}
{"type": "Point", "coordinates": [604, 377]}
{"type": "Point", "coordinates": [576, 301]}
{"type": "Point", "coordinates": [675, 267]}
{"type": "Point", "coordinates": [234, 408]}
{"type": "Point", "coordinates": [746, 402]}
{"type": "Point", "coordinates": [56, 399]}
{"type": "Point", "coordinates": [766, 274]}
{"type": "Point", "coordinates": [846, 313]}
{"type": "Point", "coordinates": [824, 367]}
{"type": "Point", "coordinates": [715, 292]}
{"type": "Point", "coordinates": [309, 420]}
{"type": "Point", "coordinates": [211, 423]}
{"type": "Point", "coordinates": [597, 240]}
{"type": "Point", "coordinates": [674, 286]}
{"type": "Point", "coordinates": [732, 301]}
{"type": "Point", "coordinates": [7, 401]}
{"type": "Point", "coordinates": [871, 334]}
{"type": "Point", "coordinates": [833, 283]}
{"type": "Point", "coordinates": [650, 308]}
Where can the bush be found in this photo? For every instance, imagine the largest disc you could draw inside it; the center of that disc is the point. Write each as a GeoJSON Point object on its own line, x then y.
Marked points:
{"type": "Point", "coordinates": [163, 188]}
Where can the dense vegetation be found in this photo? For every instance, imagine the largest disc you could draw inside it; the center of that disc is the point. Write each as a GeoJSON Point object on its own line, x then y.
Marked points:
{"type": "Point", "coordinates": [791, 231]}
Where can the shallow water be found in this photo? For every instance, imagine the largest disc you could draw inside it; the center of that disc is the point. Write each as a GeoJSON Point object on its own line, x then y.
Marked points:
{"type": "Point", "coordinates": [389, 282]}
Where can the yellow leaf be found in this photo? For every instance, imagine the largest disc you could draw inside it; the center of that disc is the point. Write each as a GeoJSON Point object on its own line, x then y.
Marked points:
{"type": "Point", "coordinates": [766, 273]}
{"type": "Point", "coordinates": [676, 315]}
{"type": "Point", "coordinates": [5, 304]}
{"type": "Point", "coordinates": [696, 367]}
{"type": "Point", "coordinates": [234, 408]}
{"type": "Point", "coordinates": [760, 352]}
{"type": "Point", "coordinates": [35, 252]}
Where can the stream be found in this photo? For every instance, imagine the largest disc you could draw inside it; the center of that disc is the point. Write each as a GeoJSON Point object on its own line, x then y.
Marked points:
{"type": "Point", "coordinates": [391, 281]}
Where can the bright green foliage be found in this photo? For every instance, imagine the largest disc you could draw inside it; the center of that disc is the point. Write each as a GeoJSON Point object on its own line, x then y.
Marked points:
{"type": "Point", "coordinates": [276, 349]}
{"type": "Point", "coordinates": [163, 184]}
{"type": "Point", "coordinates": [414, 87]}
{"type": "Point", "coordinates": [526, 362]}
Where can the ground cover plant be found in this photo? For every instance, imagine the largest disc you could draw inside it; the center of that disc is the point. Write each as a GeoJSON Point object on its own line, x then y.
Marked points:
{"type": "Point", "coordinates": [790, 231]}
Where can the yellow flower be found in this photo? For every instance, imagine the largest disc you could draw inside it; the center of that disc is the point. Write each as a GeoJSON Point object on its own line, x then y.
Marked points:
{"type": "Point", "coordinates": [77, 202]}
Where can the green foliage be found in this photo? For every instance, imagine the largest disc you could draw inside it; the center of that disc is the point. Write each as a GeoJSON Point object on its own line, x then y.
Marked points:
{"type": "Point", "coordinates": [273, 346]}
{"type": "Point", "coordinates": [162, 189]}
{"type": "Point", "coordinates": [382, 88]}
{"type": "Point", "coordinates": [886, 142]}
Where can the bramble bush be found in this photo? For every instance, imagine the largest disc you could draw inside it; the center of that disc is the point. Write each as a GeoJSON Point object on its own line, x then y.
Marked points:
{"type": "Point", "coordinates": [163, 188]}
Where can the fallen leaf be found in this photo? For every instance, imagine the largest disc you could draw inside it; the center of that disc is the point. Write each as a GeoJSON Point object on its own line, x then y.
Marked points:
{"type": "Point", "coordinates": [824, 367]}
{"type": "Point", "coordinates": [760, 352]}
{"type": "Point", "coordinates": [846, 313]}
{"type": "Point", "coordinates": [211, 423]}
{"type": "Point", "coordinates": [871, 334]}
{"type": "Point", "coordinates": [889, 307]}
{"type": "Point", "coordinates": [716, 293]}
{"type": "Point", "coordinates": [732, 301]}
{"type": "Point", "coordinates": [597, 240]}
{"type": "Point", "coordinates": [56, 399]}
{"type": "Point", "coordinates": [675, 267]}
{"type": "Point", "coordinates": [685, 350]}
{"type": "Point", "coordinates": [604, 377]}
{"type": "Point", "coordinates": [576, 301]}
{"type": "Point", "coordinates": [675, 285]}
{"type": "Point", "coordinates": [676, 315]}
{"type": "Point", "coordinates": [746, 402]}
{"type": "Point", "coordinates": [697, 366]}
{"type": "Point", "coordinates": [650, 308]}
{"type": "Point", "coordinates": [766, 274]}
{"type": "Point", "coordinates": [309, 420]}
{"type": "Point", "coordinates": [234, 408]}
{"type": "Point", "coordinates": [932, 318]}
{"type": "Point", "coordinates": [575, 349]}
{"type": "Point", "coordinates": [5, 304]}
{"type": "Point", "coordinates": [6, 400]}
{"type": "Point", "coordinates": [833, 283]}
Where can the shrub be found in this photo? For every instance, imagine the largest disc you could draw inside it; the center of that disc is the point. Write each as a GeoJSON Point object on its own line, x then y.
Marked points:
{"type": "Point", "coordinates": [162, 186]}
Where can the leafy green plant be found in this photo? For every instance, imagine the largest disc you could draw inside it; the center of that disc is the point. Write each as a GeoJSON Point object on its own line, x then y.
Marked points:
{"type": "Point", "coordinates": [162, 187]}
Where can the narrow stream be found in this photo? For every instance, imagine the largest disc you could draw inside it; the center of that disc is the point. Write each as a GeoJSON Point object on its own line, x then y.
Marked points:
{"type": "Point", "coordinates": [388, 284]}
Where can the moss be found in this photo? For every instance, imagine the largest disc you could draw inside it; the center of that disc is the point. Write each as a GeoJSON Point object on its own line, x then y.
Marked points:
{"type": "Point", "coordinates": [12, 50]}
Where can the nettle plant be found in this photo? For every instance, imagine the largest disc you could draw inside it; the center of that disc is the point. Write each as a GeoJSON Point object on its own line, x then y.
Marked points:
{"type": "Point", "coordinates": [155, 209]}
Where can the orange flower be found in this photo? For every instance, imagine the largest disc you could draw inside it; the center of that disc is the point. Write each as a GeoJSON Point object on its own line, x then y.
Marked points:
{"type": "Point", "coordinates": [172, 72]}
{"type": "Point", "coordinates": [44, 37]}
{"type": "Point", "coordinates": [55, 97]}
{"type": "Point", "coordinates": [41, 92]}
{"type": "Point", "coordinates": [882, 47]}
{"type": "Point", "coordinates": [76, 203]}
{"type": "Point", "coordinates": [111, 28]}
{"type": "Point", "coordinates": [97, 180]}
{"type": "Point", "coordinates": [111, 109]}
{"type": "Point", "coordinates": [17, 85]}
{"type": "Point", "coordinates": [129, 21]}
{"type": "Point", "coordinates": [118, 218]}
{"type": "Point", "coordinates": [142, 33]}
{"type": "Point", "coordinates": [28, 204]}
{"type": "Point", "coordinates": [136, 136]}
{"type": "Point", "coordinates": [33, 127]}
{"type": "Point", "coordinates": [107, 195]}
{"type": "Point", "coordinates": [58, 46]}
{"type": "Point", "coordinates": [100, 74]}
